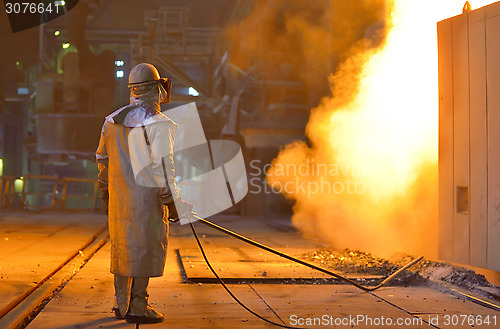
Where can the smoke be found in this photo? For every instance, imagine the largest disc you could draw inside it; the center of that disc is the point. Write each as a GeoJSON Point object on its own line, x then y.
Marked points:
{"type": "Point", "coordinates": [378, 135]}
{"type": "Point", "coordinates": [312, 37]}
{"type": "Point", "coordinates": [371, 178]}
{"type": "Point", "coordinates": [367, 176]}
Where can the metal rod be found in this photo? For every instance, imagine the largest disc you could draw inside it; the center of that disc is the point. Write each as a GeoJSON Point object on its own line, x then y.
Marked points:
{"type": "Point", "coordinates": [317, 268]}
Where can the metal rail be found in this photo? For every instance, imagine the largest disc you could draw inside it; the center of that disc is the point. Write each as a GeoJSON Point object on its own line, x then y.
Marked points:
{"type": "Point", "coordinates": [8, 192]}
{"type": "Point", "coordinates": [25, 193]}
{"type": "Point", "coordinates": [65, 195]}
{"type": "Point", "coordinates": [314, 267]}
{"type": "Point", "coordinates": [12, 317]}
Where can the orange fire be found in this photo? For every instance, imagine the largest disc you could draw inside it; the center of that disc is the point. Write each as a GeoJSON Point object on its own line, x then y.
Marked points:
{"type": "Point", "coordinates": [371, 178]}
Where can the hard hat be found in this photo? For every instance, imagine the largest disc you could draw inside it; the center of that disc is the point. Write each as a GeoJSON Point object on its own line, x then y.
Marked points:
{"type": "Point", "coordinates": [143, 74]}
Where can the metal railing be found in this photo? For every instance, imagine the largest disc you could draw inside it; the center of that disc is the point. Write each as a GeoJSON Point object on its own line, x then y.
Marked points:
{"type": "Point", "coordinates": [65, 195]}
{"type": "Point", "coordinates": [52, 195]}
{"type": "Point", "coordinates": [58, 194]}
{"type": "Point", "coordinates": [7, 189]}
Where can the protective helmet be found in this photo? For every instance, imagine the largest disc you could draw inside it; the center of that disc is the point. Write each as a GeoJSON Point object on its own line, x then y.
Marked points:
{"type": "Point", "coordinates": [145, 74]}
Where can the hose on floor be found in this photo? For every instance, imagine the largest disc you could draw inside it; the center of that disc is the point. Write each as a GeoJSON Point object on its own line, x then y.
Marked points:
{"type": "Point", "coordinates": [283, 255]}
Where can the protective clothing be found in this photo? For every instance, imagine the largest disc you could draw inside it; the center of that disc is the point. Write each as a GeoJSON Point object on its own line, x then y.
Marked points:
{"type": "Point", "coordinates": [137, 228]}
{"type": "Point", "coordinates": [137, 219]}
{"type": "Point", "coordinates": [143, 74]}
{"type": "Point", "coordinates": [144, 77]}
{"type": "Point", "coordinates": [122, 295]}
{"type": "Point", "coordinates": [131, 302]}
{"type": "Point", "coordinates": [140, 311]}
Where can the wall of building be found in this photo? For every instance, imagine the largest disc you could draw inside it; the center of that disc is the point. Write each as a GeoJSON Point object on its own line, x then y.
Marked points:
{"type": "Point", "coordinates": [469, 138]}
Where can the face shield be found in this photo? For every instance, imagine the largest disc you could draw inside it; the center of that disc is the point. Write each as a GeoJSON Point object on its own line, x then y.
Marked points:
{"type": "Point", "coordinates": [146, 84]}
{"type": "Point", "coordinates": [153, 91]}
{"type": "Point", "coordinates": [165, 86]}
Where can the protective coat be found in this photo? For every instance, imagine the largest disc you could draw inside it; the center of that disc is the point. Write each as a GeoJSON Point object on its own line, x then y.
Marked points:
{"type": "Point", "coordinates": [138, 227]}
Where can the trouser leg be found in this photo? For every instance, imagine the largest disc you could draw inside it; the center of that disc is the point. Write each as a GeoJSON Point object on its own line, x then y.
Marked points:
{"type": "Point", "coordinates": [122, 295]}
{"type": "Point", "coordinates": [139, 296]}
{"type": "Point", "coordinates": [139, 311]}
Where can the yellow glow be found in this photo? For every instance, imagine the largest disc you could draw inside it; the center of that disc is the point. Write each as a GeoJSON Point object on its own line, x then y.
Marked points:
{"type": "Point", "coordinates": [56, 33]}
{"type": "Point", "coordinates": [18, 185]}
{"type": "Point", "coordinates": [66, 45]}
{"type": "Point", "coordinates": [393, 122]}
{"type": "Point", "coordinates": [1, 167]}
{"type": "Point", "coordinates": [391, 126]}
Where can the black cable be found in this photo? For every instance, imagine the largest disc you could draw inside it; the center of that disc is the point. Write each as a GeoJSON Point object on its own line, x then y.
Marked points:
{"type": "Point", "coordinates": [283, 255]}
{"type": "Point", "coordinates": [229, 291]}
{"type": "Point", "coordinates": [259, 245]}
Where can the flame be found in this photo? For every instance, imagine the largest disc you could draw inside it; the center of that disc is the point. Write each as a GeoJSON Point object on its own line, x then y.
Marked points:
{"type": "Point", "coordinates": [371, 180]}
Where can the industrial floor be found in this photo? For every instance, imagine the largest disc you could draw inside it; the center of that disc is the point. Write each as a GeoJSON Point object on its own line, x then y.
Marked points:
{"type": "Point", "coordinates": [32, 245]}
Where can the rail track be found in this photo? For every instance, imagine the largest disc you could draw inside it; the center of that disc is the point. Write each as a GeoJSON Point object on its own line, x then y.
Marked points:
{"type": "Point", "coordinates": [18, 312]}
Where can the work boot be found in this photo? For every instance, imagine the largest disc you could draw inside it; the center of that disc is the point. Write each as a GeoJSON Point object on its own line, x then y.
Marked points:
{"type": "Point", "coordinates": [139, 310]}
{"type": "Point", "coordinates": [122, 295]}
{"type": "Point", "coordinates": [150, 316]}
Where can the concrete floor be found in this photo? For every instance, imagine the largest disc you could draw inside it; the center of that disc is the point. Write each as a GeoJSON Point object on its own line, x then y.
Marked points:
{"type": "Point", "coordinates": [86, 301]}
{"type": "Point", "coordinates": [33, 245]}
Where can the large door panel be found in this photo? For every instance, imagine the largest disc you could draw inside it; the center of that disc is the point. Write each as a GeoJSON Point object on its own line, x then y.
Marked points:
{"type": "Point", "coordinates": [493, 89]}
{"type": "Point", "coordinates": [461, 139]}
{"type": "Point", "coordinates": [478, 145]}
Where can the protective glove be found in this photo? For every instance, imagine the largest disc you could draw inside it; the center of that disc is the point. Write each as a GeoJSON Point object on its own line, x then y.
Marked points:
{"type": "Point", "coordinates": [105, 196]}
{"type": "Point", "coordinates": [105, 200]}
{"type": "Point", "coordinates": [179, 209]}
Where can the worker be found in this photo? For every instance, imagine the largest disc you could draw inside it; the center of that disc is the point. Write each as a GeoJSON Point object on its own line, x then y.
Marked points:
{"type": "Point", "coordinates": [138, 212]}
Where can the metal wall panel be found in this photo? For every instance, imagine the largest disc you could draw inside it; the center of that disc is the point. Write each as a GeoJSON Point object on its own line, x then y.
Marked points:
{"type": "Point", "coordinates": [478, 142]}
{"type": "Point", "coordinates": [445, 141]}
{"type": "Point", "coordinates": [469, 138]}
{"type": "Point", "coordinates": [461, 135]}
{"type": "Point", "coordinates": [493, 90]}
